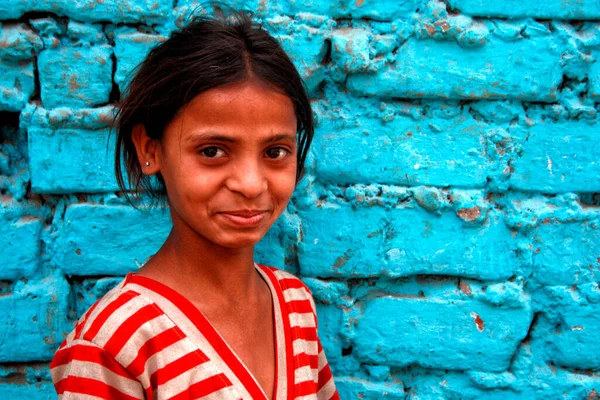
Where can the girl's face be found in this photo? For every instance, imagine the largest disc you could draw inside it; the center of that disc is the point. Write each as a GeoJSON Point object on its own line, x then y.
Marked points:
{"type": "Point", "coordinates": [229, 163]}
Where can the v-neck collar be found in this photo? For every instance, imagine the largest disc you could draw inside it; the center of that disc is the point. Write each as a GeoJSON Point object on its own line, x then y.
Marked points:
{"type": "Point", "coordinates": [284, 375]}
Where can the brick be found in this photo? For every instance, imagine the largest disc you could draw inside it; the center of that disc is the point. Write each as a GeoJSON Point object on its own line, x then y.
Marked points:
{"type": "Point", "coordinates": [332, 320]}
{"type": "Point", "coordinates": [491, 380]}
{"type": "Point", "coordinates": [85, 34]}
{"type": "Point", "coordinates": [527, 70]}
{"type": "Point", "coordinates": [351, 48]}
{"type": "Point", "coordinates": [436, 384]}
{"type": "Point", "coordinates": [557, 157]}
{"type": "Point", "coordinates": [75, 77]}
{"type": "Point", "coordinates": [594, 77]}
{"type": "Point", "coordinates": [435, 333]}
{"type": "Point", "coordinates": [548, 383]}
{"type": "Point", "coordinates": [435, 22]}
{"type": "Point", "coordinates": [128, 11]}
{"type": "Point", "coordinates": [86, 118]}
{"type": "Point", "coordinates": [109, 240]}
{"type": "Point", "coordinates": [401, 242]}
{"type": "Point", "coordinates": [353, 388]}
{"type": "Point", "coordinates": [278, 247]}
{"type": "Point", "coordinates": [34, 320]}
{"type": "Point", "coordinates": [16, 84]}
{"type": "Point", "coordinates": [88, 291]}
{"type": "Point", "coordinates": [17, 42]}
{"type": "Point", "coordinates": [566, 333]}
{"type": "Point", "coordinates": [306, 47]}
{"type": "Point", "coordinates": [21, 246]}
{"type": "Point", "coordinates": [37, 391]}
{"type": "Point", "coordinates": [399, 150]}
{"type": "Point", "coordinates": [380, 373]}
{"type": "Point", "coordinates": [349, 250]}
{"type": "Point", "coordinates": [21, 235]}
{"type": "Point", "coordinates": [551, 9]}
{"type": "Point", "coordinates": [566, 253]}
{"type": "Point", "coordinates": [48, 28]}
{"type": "Point", "coordinates": [385, 10]}
{"type": "Point", "coordinates": [18, 381]}
{"type": "Point", "coordinates": [61, 161]}
{"type": "Point", "coordinates": [272, 249]}
{"type": "Point", "coordinates": [131, 47]}
{"type": "Point", "coordinates": [498, 111]}
{"type": "Point", "coordinates": [327, 292]}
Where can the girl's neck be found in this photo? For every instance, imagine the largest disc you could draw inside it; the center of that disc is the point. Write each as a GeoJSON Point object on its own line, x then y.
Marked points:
{"type": "Point", "coordinates": [201, 270]}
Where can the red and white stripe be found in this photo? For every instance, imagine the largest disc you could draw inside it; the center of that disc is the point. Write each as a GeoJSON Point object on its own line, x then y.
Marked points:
{"type": "Point", "coordinates": [144, 340]}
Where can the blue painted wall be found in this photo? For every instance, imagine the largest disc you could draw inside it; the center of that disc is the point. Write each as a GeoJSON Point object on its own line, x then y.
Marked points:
{"type": "Point", "coordinates": [449, 223]}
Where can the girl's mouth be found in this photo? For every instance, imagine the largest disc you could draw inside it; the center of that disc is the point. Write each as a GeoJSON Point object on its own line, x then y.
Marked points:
{"type": "Point", "coordinates": [244, 218]}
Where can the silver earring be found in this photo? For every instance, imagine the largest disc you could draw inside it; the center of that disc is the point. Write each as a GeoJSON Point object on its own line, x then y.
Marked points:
{"type": "Point", "coordinates": [147, 163]}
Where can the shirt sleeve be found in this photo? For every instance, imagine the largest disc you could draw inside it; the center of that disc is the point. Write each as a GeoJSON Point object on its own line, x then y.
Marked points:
{"type": "Point", "coordinates": [81, 369]}
{"type": "Point", "coordinates": [325, 385]}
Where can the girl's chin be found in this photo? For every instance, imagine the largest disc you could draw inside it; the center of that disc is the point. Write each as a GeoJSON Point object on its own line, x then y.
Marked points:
{"type": "Point", "coordinates": [238, 244]}
{"type": "Point", "coordinates": [239, 240]}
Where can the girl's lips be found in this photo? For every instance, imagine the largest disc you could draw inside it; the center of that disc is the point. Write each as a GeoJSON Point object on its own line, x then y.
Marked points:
{"type": "Point", "coordinates": [244, 219]}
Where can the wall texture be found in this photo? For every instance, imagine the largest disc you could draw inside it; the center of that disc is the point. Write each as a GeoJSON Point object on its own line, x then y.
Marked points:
{"type": "Point", "coordinates": [449, 225]}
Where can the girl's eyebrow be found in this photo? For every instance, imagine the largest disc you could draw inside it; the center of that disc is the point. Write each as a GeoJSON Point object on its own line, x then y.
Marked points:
{"type": "Point", "coordinates": [199, 137]}
{"type": "Point", "coordinates": [209, 136]}
{"type": "Point", "coordinates": [281, 136]}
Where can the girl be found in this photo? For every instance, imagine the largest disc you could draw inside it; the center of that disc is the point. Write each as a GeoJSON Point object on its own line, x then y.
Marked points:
{"type": "Point", "coordinates": [218, 116]}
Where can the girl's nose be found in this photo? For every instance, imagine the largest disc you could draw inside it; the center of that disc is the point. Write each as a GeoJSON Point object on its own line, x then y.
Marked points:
{"type": "Point", "coordinates": [248, 179]}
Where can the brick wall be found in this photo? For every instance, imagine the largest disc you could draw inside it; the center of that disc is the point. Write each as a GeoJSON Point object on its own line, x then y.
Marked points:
{"type": "Point", "coordinates": [449, 223]}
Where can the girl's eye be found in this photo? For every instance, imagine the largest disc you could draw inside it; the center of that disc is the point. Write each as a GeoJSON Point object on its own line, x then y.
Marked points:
{"type": "Point", "coordinates": [276, 153]}
{"type": "Point", "coordinates": [212, 152]}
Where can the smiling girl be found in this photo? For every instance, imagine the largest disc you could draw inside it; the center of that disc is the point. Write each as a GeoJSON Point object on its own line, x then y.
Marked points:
{"type": "Point", "coordinates": [218, 116]}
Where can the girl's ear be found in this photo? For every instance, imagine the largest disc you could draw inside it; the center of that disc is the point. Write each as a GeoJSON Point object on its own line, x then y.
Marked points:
{"type": "Point", "coordinates": [146, 149]}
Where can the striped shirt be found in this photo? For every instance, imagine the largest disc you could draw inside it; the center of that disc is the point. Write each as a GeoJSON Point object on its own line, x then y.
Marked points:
{"type": "Point", "coordinates": [145, 340]}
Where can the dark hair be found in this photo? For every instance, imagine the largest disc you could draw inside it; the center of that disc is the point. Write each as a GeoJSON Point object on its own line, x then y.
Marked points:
{"type": "Point", "coordinates": [207, 53]}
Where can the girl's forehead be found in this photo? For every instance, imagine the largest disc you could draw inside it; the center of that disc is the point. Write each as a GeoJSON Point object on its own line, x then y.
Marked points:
{"type": "Point", "coordinates": [246, 110]}
{"type": "Point", "coordinates": [240, 103]}
{"type": "Point", "coordinates": [247, 94]}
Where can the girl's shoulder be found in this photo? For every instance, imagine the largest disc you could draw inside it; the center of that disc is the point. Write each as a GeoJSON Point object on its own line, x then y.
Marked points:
{"type": "Point", "coordinates": [293, 290]}
{"type": "Point", "coordinates": [285, 279]}
{"type": "Point", "coordinates": [100, 322]}
{"type": "Point", "coordinates": [101, 339]}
